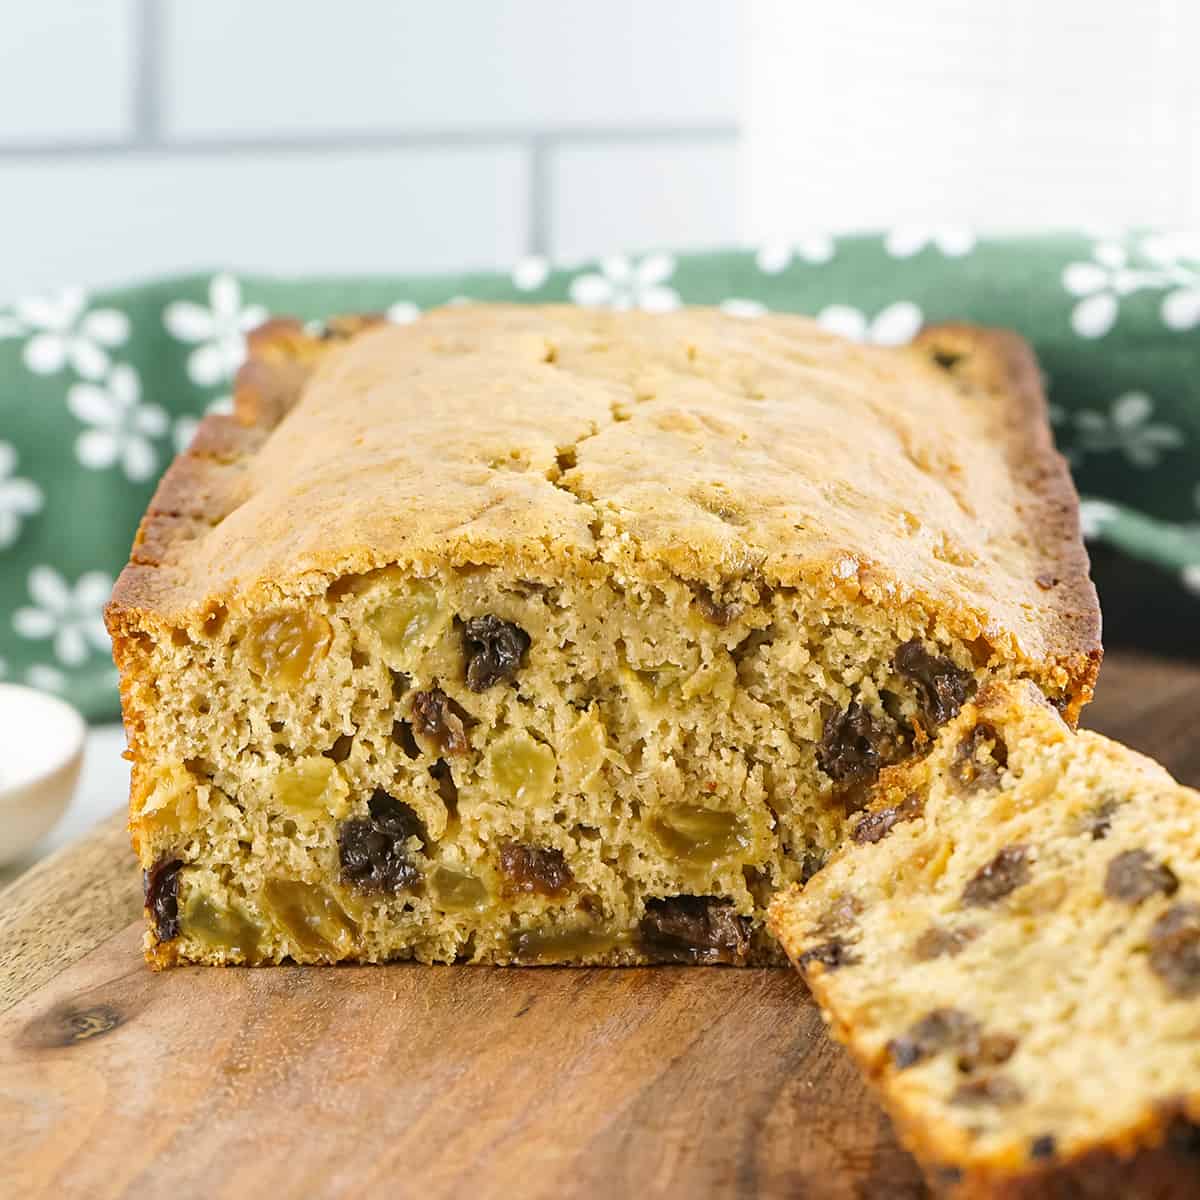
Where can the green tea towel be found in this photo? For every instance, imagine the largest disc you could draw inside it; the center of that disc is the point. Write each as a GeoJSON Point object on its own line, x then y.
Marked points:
{"type": "Point", "coordinates": [97, 392]}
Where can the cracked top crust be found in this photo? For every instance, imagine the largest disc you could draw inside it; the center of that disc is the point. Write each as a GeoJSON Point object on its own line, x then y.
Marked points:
{"type": "Point", "coordinates": [711, 447]}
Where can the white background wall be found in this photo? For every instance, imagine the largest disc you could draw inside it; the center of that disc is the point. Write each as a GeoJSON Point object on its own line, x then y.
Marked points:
{"type": "Point", "coordinates": [144, 136]}
{"type": "Point", "coordinates": [1021, 115]}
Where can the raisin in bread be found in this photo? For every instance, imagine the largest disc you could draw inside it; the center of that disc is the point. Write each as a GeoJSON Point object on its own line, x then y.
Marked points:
{"type": "Point", "coordinates": [550, 635]}
{"type": "Point", "coordinates": [1010, 947]}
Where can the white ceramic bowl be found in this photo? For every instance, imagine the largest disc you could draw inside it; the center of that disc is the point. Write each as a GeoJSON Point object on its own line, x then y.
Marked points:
{"type": "Point", "coordinates": [42, 739]}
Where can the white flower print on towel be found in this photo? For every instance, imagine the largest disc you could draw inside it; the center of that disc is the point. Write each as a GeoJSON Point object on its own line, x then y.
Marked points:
{"type": "Point", "coordinates": [892, 326]}
{"type": "Point", "coordinates": [19, 498]}
{"type": "Point", "coordinates": [219, 331]}
{"type": "Point", "coordinates": [62, 333]}
{"type": "Point", "coordinates": [623, 284]}
{"type": "Point", "coordinates": [121, 425]}
{"type": "Point", "coordinates": [71, 616]}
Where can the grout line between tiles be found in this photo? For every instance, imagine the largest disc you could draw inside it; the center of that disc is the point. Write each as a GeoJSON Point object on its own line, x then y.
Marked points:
{"type": "Point", "coordinates": [146, 94]}
{"type": "Point", "coordinates": [541, 199]}
{"type": "Point", "coordinates": [149, 62]}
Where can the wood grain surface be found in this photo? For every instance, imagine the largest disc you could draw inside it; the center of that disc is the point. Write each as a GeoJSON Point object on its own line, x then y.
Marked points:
{"type": "Point", "coordinates": [437, 1082]}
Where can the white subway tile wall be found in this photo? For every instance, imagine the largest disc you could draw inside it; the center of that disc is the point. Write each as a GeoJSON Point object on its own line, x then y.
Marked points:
{"type": "Point", "coordinates": [370, 211]}
{"type": "Point", "coordinates": [142, 137]}
{"type": "Point", "coordinates": [1021, 115]}
{"type": "Point", "coordinates": [66, 71]}
{"type": "Point", "coordinates": [462, 65]}
{"type": "Point", "coordinates": [674, 193]}
{"type": "Point", "coordinates": [139, 137]}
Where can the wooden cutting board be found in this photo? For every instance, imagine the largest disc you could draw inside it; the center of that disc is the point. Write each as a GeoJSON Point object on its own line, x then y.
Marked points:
{"type": "Point", "coordinates": [432, 1081]}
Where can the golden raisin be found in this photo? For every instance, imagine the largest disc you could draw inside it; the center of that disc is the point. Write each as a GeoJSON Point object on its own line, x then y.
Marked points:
{"type": "Point", "coordinates": [458, 891]}
{"type": "Point", "coordinates": [284, 647]}
{"type": "Point", "coordinates": [222, 928]}
{"type": "Point", "coordinates": [716, 677]}
{"type": "Point", "coordinates": [312, 787]}
{"type": "Point", "coordinates": [408, 622]}
{"type": "Point", "coordinates": [698, 835]}
{"type": "Point", "coordinates": [522, 768]}
{"type": "Point", "coordinates": [584, 748]}
{"type": "Point", "coordinates": [172, 803]}
{"type": "Point", "coordinates": [311, 916]}
{"type": "Point", "coordinates": [653, 691]}
{"type": "Point", "coordinates": [562, 945]}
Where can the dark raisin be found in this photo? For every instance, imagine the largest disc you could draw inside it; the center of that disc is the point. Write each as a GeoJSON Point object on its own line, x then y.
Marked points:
{"type": "Point", "coordinates": [371, 860]}
{"type": "Point", "coordinates": [713, 612]}
{"type": "Point", "coordinates": [839, 915]}
{"type": "Point", "coordinates": [1174, 941]}
{"type": "Point", "coordinates": [160, 885]}
{"type": "Point", "coordinates": [396, 817]}
{"type": "Point", "coordinates": [494, 649]}
{"type": "Point", "coordinates": [986, 1050]}
{"type": "Point", "coordinates": [1135, 875]}
{"type": "Point", "coordinates": [933, 1033]}
{"type": "Point", "coordinates": [402, 736]}
{"type": "Point", "coordinates": [374, 851]}
{"type": "Point", "coordinates": [438, 718]}
{"type": "Point", "coordinates": [1004, 874]}
{"type": "Point", "coordinates": [853, 745]}
{"type": "Point", "coordinates": [942, 686]}
{"type": "Point", "coordinates": [835, 953]}
{"type": "Point", "coordinates": [694, 929]}
{"type": "Point", "coordinates": [1043, 1147]}
{"type": "Point", "coordinates": [812, 862]}
{"type": "Point", "coordinates": [854, 796]}
{"type": "Point", "coordinates": [1046, 581]}
{"type": "Point", "coordinates": [979, 759]}
{"type": "Point", "coordinates": [991, 1089]}
{"type": "Point", "coordinates": [874, 826]}
{"type": "Point", "coordinates": [1183, 1137]}
{"type": "Point", "coordinates": [1098, 821]}
{"type": "Point", "coordinates": [937, 941]}
{"type": "Point", "coordinates": [447, 789]}
{"type": "Point", "coordinates": [340, 750]}
{"type": "Point", "coordinates": [538, 869]}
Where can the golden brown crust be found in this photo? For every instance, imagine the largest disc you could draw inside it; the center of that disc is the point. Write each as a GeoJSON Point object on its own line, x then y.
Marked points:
{"type": "Point", "coordinates": [1162, 1162]}
{"type": "Point", "coordinates": [281, 355]}
{"type": "Point", "coordinates": [1159, 1159]}
{"type": "Point", "coordinates": [1003, 364]}
{"type": "Point", "coordinates": [1054, 621]}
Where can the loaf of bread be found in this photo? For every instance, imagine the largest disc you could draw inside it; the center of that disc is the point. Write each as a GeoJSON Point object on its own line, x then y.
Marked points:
{"type": "Point", "coordinates": [526, 635]}
{"type": "Point", "coordinates": [1009, 945]}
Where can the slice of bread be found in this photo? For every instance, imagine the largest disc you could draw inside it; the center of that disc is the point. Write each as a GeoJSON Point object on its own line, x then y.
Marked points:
{"type": "Point", "coordinates": [1009, 945]}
